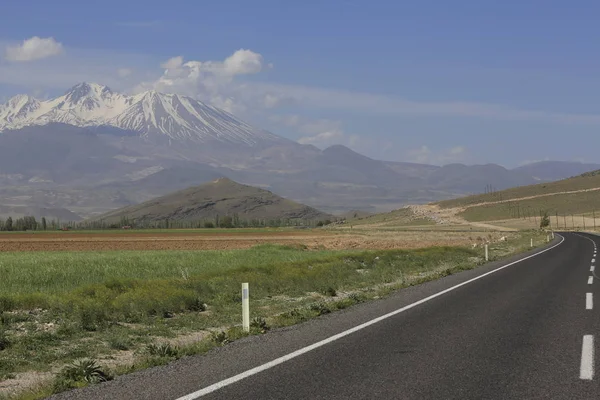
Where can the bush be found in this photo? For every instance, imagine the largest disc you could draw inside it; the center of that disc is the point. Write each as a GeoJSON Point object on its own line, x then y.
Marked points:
{"type": "Point", "coordinates": [209, 224]}
{"type": "Point", "coordinates": [330, 291]}
{"type": "Point", "coordinates": [545, 221]}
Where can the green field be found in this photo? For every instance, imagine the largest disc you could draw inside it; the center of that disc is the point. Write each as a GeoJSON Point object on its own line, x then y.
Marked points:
{"type": "Point", "coordinates": [59, 307]}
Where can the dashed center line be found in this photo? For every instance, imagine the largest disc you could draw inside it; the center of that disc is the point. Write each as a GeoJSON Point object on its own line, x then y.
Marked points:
{"type": "Point", "coordinates": [586, 370]}
{"type": "Point", "coordinates": [590, 280]}
{"type": "Point", "coordinates": [592, 268]}
{"type": "Point", "coordinates": [589, 301]}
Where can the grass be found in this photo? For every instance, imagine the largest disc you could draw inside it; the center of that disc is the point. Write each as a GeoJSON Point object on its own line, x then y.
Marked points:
{"type": "Point", "coordinates": [585, 181]}
{"type": "Point", "coordinates": [398, 218]}
{"type": "Point", "coordinates": [57, 309]}
{"type": "Point", "coordinates": [563, 204]}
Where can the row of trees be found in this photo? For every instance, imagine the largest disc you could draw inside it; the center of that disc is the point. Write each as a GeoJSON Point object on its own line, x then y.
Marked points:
{"type": "Point", "coordinates": [30, 223]}
{"type": "Point", "coordinates": [27, 224]}
{"type": "Point", "coordinates": [226, 221]}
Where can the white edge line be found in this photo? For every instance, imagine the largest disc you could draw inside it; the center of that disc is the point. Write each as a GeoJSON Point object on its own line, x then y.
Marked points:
{"type": "Point", "coordinates": [589, 301]}
{"type": "Point", "coordinates": [586, 370]}
{"type": "Point", "coordinates": [226, 382]}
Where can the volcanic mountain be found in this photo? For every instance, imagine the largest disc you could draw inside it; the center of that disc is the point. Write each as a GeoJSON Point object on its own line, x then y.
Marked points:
{"type": "Point", "coordinates": [92, 150]}
{"type": "Point", "coordinates": [149, 114]}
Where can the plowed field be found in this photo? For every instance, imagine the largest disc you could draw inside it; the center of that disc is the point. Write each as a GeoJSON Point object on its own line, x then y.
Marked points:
{"type": "Point", "coordinates": [58, 241]}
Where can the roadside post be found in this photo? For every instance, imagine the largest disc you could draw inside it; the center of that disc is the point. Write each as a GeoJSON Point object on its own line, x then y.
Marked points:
{"type": "Point", "coordinates": [246, 307]}
{"type": "Point", "coordinates": [487, 258]}
{"type": "Point", "coordinates": [531, 242]}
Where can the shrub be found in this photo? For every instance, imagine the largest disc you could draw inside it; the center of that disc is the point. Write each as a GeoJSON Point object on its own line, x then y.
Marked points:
{"type": "Point", "coordinates": [209, 224]}
{"type": "Point", "coordinates": [545, 221]}
{"type": "Point", "coordinates": [330, 291]}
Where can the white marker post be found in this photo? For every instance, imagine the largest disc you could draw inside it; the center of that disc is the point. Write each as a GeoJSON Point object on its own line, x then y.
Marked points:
{"type": "Point", "coordinates": [547, 238]}
{"type": "Point", "coordinates": [552, 234]}
{"type": "Point", "coordinates": [246, 307]}
{"type": "Point", "coordinates": [487, 258]}
{"type": "Point", "coordinates": [531, 242]}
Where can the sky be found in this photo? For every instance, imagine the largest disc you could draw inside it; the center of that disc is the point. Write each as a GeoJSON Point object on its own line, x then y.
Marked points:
{"type": "Point", "coordinates": [435, 82]}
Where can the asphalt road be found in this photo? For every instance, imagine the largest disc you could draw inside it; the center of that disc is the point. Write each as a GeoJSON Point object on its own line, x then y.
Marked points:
{"type": "Point", "coordinates": [525, 331]}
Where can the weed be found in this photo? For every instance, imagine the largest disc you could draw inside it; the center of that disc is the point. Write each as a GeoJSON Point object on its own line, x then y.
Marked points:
{"type": "Point", "coordinates": [329, 291]}
{"type": "Point", "coordinates": [117, 342]}
{"type": "Point", "coordinates": [356, 298]}
{"type": "Point", "coordinates": [220, 337]}
{"type": "Point", "coordinates": [162, 350]}
{"type": "Point", "coordinates": [259, 324]}
{"type": "Point", "coordinates": [78, 374]}
{"type": "Point", "coordinates": [4, 341]}
{"type": "Point", "coordinates": [197, 305]}
{"type": "Point", "coordinates": [320, 308]}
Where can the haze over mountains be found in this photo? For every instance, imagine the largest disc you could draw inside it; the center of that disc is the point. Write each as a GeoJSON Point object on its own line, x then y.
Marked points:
{"type": "Point", "coordinates": [92, 150]}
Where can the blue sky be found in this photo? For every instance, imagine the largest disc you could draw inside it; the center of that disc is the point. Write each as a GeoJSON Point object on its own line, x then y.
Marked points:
{"type": "Point", "coordinates": [429, 81]}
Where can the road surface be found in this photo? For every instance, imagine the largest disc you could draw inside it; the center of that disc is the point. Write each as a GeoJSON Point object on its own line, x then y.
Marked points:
{"type": "Point", "coordinates": [517, 329]}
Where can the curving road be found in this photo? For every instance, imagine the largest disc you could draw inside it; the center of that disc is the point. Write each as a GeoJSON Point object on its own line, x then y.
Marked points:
{"type": "Point", "coordinates": [524, 328]}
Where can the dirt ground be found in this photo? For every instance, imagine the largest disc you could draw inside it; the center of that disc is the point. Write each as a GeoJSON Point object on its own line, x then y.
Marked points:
{"type": "Point", "coordinates": [226, 241]}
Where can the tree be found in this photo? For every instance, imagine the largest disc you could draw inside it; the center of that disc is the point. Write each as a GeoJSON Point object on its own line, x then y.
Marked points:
{"type": "Point", "coordinates": [44, 223]}
{"type": "Point", "coordinates": [227, 222]}
{"type": "Point", "coordinates": [545, 221]}
{"type": "Point", "coordinates": [9, 224]}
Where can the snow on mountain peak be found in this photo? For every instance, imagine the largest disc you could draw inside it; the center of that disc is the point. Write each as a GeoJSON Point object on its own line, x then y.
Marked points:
{"type": "Point", "coordinates": [85, 90]}
{"type": "Point", "coordinates": [148, 113]}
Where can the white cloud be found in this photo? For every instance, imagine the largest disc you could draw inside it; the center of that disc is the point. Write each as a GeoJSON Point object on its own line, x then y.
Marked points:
{"type": "Point", "coordinates": [34, 48]}
{"type": "Point", "coordinates": [211, 81]}
{"type": "Point", "coordinates": [323, 138]}
{"type": "Point", "coordinates": [320, 132]}
{"type": "Point", "coordinates": [243, 62]}
{"type": "Point", "coordinates": [124, 72]}
{"type": "Point", "coordinates": [424, 155]}
{"type": "Point", "coordinates": [172, 63]}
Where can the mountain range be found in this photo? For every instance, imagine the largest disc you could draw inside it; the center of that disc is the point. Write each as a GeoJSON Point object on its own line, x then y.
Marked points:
{"type": "Point", "coordinates": [92, 150]}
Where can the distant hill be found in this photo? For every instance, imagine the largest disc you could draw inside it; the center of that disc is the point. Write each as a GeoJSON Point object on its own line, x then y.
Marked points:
{"type": "Point", "coordinates": [555, 170]}
{"type": "Point", "coordinates": [58, 214]}
{"type": "Point", "coordinates": [578, 195]}
{"type": "Point", "coordinates": [222, 197]}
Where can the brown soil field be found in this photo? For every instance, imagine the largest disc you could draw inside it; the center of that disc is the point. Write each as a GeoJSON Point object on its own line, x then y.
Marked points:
{"type": "Point", "coordinates": [223, 241]}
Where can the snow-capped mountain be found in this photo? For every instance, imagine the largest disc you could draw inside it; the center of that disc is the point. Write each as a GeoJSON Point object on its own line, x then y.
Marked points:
{"type": "Point", "coordinates": [149, 113]}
